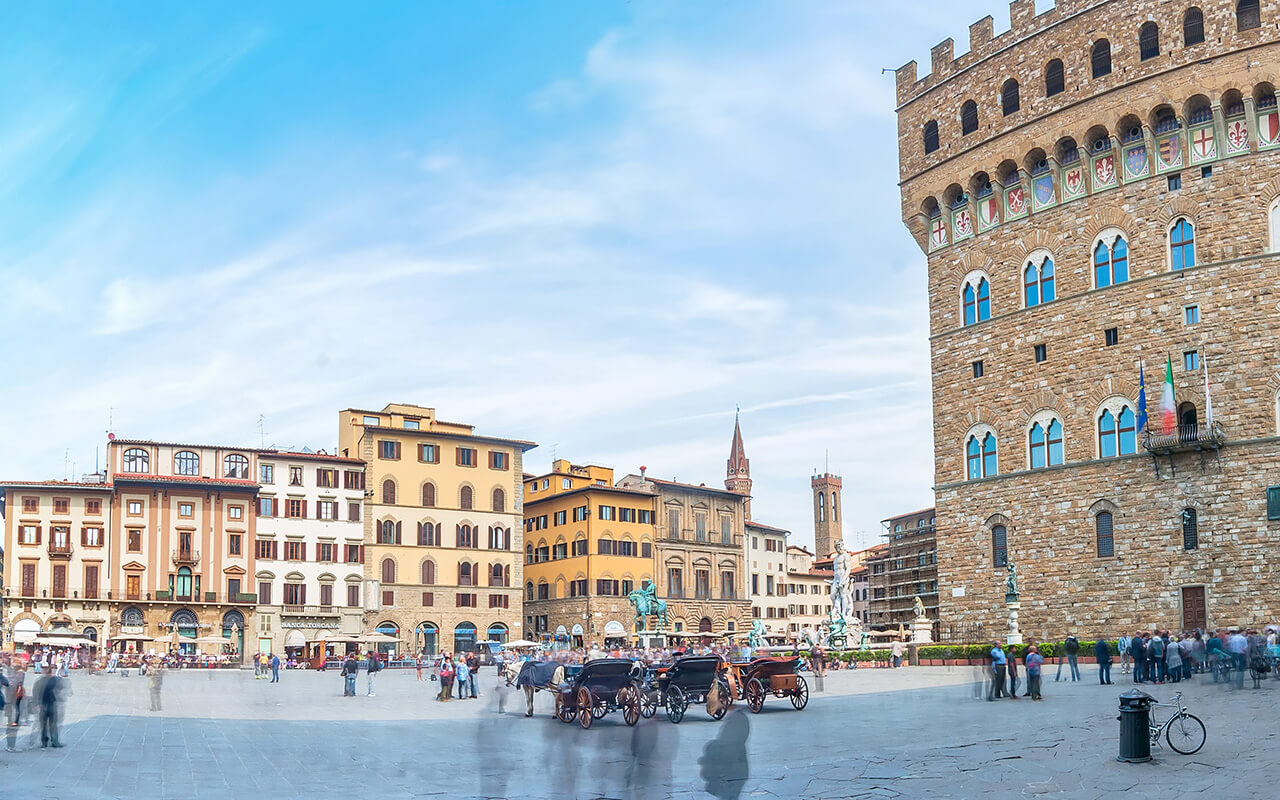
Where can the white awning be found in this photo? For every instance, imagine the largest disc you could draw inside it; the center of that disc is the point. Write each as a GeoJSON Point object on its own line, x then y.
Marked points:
{"type": "Point", "coordinates": [614, 628]}
{"type": "Point", "coordinates": [25, 630]}
{"type": "Point", "coordinates": [295, 638]}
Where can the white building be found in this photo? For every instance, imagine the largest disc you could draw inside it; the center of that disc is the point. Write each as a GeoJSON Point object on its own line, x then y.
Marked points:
{"type": "Point", "coordinates": [767, 581]}
{"type": "Point", "coordinates": [808, 593]}
{"type": "Point", "coordinates": [309, 549]}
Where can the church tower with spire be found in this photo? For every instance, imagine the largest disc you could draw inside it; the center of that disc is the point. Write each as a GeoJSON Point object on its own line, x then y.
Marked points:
{"type": "Point", "coordinates": [738, 475]}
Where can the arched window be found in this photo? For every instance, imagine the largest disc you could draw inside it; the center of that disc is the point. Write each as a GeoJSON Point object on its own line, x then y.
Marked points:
{"type": "Point", "coordinates": [1192, 27]}
{"type": "Point", "coordinates": [1274, 215]}
{"type": "Point", "coordinates": [528, 590]}
{"type": "Point", "coordinates": [466, 574]}
{"type": "Point", "coordinates": [1009, 102]}
{"type": "Point", "coordinates": [968, 117]}
{"type": "Point", "coordinates": [1046, 444]}
{"type": "Point", "coordinates": [429, 572]}
{"type": "Point", "coordinates": [1100, 58]}
{"type": "Point", "coordinates": [1037, 281]}
{"type": "Point", "coordinates": [1248, 15]}
{"type": "Point", "coordinates": [466, 498]}
{"type": "Point", "coordinates": [528, 554]}
{"type": "Point", "coordinates": [186, 462]}
{"type": "Point", "coordinates": [429, 495]}
{"type": "Point", "coordinates": [182, 587]}
{"type": "Point", "coordinates": [428, 534]}
{"type": "Point", "coordinates": [389, 492]}
{"type": "Point", "coordinates": [822, 507]}
{"type": "Point", "coordinates": [1110, 261]}
{"type": "Point", "coordinates": [386, 532]}
{"type": "Point", "coordinates": [980, 455]}
{"type": "Point", "coordinates": [236, 466]}
{"type": "Point", "coordinates": [835, 515]}
{"type": "Point", "coordinates": [977, 301]}
{"type": "Point", "coordinates": [930, 136]}
{"type": "Point", "coordinates": [136, 460]}
{"type": "Point", "coordinates": [388, 570]}
{"type": "Point", "coordinates": [1182, 244]}
{"type": "Point", "coordinates": [1117, 432]}
{"type": "Point", "coordinates": [499, 500]}
{"type": "Point", "coordinates": [496, 575]}
{"type": "Point", "coordinates": [1054, 82]}
{"type": "Point", "coordinates": [1148, 41]}
{"type": "Point", "coordinates": [1105, 534]}
{"type": "Point", "coordinates": [999, 546]}
{"type": "Point", "coordinates": [1190, 529]}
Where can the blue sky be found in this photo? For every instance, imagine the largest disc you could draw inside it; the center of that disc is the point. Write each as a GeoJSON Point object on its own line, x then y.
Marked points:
{"type": "Point", "coordinates": [597, 225]}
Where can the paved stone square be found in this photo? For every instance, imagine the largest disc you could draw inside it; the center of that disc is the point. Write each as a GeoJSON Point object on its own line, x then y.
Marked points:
{"type": "Point", "coordinates": [917, 732]}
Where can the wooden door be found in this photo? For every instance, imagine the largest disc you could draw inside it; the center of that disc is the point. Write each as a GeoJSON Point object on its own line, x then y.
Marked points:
{"type": "Point", "coordinates": [1194, 614]}
{"type": "Point", "coordinates": [133, 587]}
{"type": "Point", "coordinates": [59, 580]}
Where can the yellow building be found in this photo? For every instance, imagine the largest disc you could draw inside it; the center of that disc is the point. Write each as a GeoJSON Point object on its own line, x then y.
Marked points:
{"type": "Point", "coordinates": [587, 544]}
{"type": "Point", "coordinates": [442, 527]}
{"type": "Point", "coordinates": [57, 565]}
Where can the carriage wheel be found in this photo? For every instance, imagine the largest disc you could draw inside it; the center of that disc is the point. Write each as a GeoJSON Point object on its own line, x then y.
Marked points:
{"type": "Point", "coordinates": [721, 688]}
{"type": "Point", "coordinates": [563, 712]}
{"type": "Point", "coordinates": [586, 707]}
{"type": "Point", "coordinates": [800, 697]}
{"type": "Point", "coordinates": [649, 703]}
{"type": "Point", "coordinates": [629, 699]}
{"type": "Point", "coordinates": [677, 702]}
{"type": "Point", "coordinates": [755, 695]}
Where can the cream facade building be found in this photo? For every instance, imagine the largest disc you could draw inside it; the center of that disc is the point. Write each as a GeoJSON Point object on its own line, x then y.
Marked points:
{"type": "Point", "coordinates": [443, 527]}
{"type": "Point", "coordinates": [808, 593]}
{"type": "Point", "coordinates": [309, 549]}
{"type": "Point", "coordinates": [57, 563]}
{"type": "Point", "coordinates": [182, 524]}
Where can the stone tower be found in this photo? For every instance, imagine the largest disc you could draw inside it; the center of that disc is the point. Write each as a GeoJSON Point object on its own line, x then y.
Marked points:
{"type": "Point", "coordinates": [827, 508]}
{"type": "Point", "coordinates": [738, 475]}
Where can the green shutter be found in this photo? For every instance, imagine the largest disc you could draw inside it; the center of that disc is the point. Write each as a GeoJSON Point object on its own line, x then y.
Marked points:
{"type": "Point", "coordinates": [1273, 502]}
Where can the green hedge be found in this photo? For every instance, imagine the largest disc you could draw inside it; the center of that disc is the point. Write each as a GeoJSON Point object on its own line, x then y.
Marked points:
{"type": "Point", "coordinates": [964, 651]}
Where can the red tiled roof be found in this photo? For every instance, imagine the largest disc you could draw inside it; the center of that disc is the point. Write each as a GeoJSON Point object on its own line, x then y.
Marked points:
{"type": "Point", "coordinates": [930, 511]}
{"type": "Point", "coordinates": [130, 477]}
{"type": "Point", "coordinates": [119, 440]}
{"type": "Point", "coordinates": [295, 455]}
{"type": "Point", "coordinates": [702, 488]}
{"type": "Point", "coordinates": [103, 487]}
{"type": "Point", "coordinates": [753, 524]}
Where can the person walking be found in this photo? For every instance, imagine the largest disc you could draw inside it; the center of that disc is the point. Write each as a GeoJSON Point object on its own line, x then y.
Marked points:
{"type": "Point", "coordinates": [1155, 655]}
{"type": "Point", "coordinates": [899, 647]}
{"type": "Point", "coordinates": [1173, 659]}
{"type": "Point", "coordinates": [1102, 654]}
{"type": "Point", "coordinates": [374, 667]}
{"type": "Point", "coordinates": [47, 696]}
{"type": "Point", "coordinates": [446, 679]}
{"type": "Point", "coordinates": [1011, 667]}
{"type": "Point", "coordinates": [1034, 660]}
{"type": "Point", "coordinates": [1238, 645]}
{"type": "Point", "coordinates": [350, 668]}
{"type": "Point", "coordinates": [998, 662]}
{"type": "Point", "coordinates": [1122, 645]}
{"type": "Point", "coordinates": [418, 663]}
{"type": "Point", "coordinates": [1138, 649]}
{"type": "Point", "coordinates": [155, 678]}
{"type": "Point", "coordinates": [275, 668]}
{"type": "Point", "coordinates": [473, 669]}
{"type": "Point", "coordinates": [1071, 646]}
{"type": "Point", "coordinates": [463, 677]}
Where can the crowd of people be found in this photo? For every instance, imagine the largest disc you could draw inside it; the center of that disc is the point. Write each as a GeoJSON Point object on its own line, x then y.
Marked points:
{"type": "Point", "coordinates": [1155, 657]}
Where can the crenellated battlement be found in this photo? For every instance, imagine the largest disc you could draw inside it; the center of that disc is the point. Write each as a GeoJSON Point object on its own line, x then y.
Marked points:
{"type": "Point", "coordinates": [1023, 23]}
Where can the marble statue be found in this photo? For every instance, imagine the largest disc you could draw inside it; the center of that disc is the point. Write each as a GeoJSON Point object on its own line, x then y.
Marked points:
{"type": "Point", "coordinates": [841, 589]}
{"type": "Point", "coordinates": [918, 607]}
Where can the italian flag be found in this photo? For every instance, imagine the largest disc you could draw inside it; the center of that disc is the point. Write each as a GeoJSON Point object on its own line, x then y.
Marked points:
{"type": "Point", "coordinates": [1168, 411]}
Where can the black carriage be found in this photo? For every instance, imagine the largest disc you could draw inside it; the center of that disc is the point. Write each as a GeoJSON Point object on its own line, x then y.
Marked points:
{"type": "Point", "coordinates": [599, 687]}
{"type": "Point", "coordinates": [690, 679]}
{"type": "Point", "coordinates": [777, 676]}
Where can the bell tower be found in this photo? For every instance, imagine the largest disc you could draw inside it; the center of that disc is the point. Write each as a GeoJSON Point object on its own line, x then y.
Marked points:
{"type": "Point", "coordinates": [738, 475]}
{"type": "Point", "coordinates": [827, 508]}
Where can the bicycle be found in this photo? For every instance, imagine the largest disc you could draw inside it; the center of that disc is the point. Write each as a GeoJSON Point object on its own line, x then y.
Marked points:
{"type": "Point", "coordinates": [1184, 731]}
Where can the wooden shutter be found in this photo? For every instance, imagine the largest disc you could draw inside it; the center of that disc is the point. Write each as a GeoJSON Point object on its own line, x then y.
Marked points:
{"type": "Point", "coordinates": [398, 528]}
{"type": "Point", "coordinates": [39, 531]}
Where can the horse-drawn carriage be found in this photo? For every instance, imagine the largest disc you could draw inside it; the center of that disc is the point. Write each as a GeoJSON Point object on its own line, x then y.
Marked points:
{"type": "Point", "coordinates": [690, 679]}
{"type": "Point", "coordinates": [601, 686]}
{"type": "Point", "coordinates": [777, 676]}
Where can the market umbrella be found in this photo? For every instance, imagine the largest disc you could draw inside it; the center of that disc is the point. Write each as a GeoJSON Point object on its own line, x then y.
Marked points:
{"type": "Point", "coordinates": [376, 637]}
{"type": "Point", "coordinates": [212, 640]}
{"type": "Point", "coordinates": [133, 637]}
{"type": "Point", "coordinates": [520, 643]}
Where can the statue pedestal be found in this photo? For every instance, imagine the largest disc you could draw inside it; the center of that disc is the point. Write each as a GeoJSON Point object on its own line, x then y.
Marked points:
{"type": "Point", "coordinates": [1014, 636]}
{"type": "Point", "coordinates": [921, 631]}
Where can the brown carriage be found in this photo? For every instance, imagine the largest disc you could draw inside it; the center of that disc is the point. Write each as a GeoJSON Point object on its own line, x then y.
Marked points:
{"type": "Point", "coordinates": [780, 677]}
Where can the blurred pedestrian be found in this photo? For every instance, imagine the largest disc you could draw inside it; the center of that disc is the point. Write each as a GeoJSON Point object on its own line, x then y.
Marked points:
{"type": "Point", "coordinates": [155, 679]}
{"type": "Point", "coordinates": [350, 667]}
{"type": "Point", "coordinates": [998, 661]}
{"type": "Point", "coordinates": [371, 671]}
{"type": "Point", "coordinates": [1034, 660]}
{"type": "Point", "coordinates": [48, 695]}
{"type": "Point", "coordinates": [1102, 655]}
{"type": "Point", "coordinates": [1011, 667]}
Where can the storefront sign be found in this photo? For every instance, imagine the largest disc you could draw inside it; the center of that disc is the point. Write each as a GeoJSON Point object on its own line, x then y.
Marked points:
{"type": "Point", "coordinates": [323, 624]}
{"type": "Point", "coordinates": [132, 630]}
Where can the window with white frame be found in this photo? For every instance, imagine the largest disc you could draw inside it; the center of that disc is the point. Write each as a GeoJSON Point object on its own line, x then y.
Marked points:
{"type": "Point", "coordinates": [1044, 440]}
{"type": "Point", "coordinates": [1182, 244]}
{"type": "Point", "coordinates": [1110, 259]}
{"type": "Point", "coordinates": [980, 453]}
{"type": "Point", "coordinates": [1038, 279]}
{"type": "Point", "coordinates": [975, 298]}
{"type": "Point", "coordinates": [1117, 428]}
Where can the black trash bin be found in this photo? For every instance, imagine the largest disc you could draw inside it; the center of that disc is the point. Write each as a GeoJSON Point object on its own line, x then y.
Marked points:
{"type": "Point", "coordinates": [1135, 724]}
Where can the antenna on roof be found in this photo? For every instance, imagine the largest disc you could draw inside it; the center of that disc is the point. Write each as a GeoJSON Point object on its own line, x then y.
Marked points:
{"type": "Point", "coordinates": [262, 433]}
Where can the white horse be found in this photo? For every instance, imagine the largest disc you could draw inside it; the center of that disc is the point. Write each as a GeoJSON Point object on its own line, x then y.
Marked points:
{"type": "Point", "coordinates": [511, 672]}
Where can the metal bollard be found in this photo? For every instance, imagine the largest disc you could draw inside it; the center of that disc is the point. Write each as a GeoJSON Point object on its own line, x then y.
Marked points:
{"type": "Point", "coordinates": [1135, 723]}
